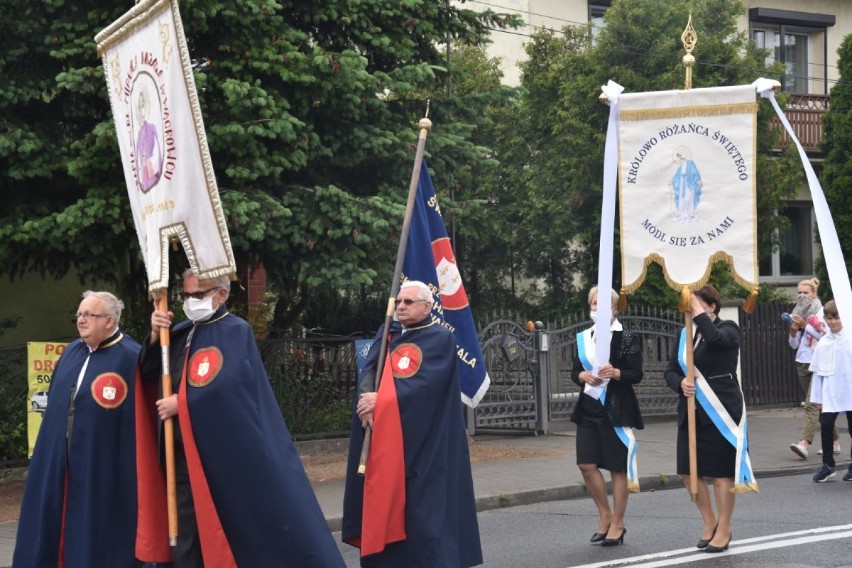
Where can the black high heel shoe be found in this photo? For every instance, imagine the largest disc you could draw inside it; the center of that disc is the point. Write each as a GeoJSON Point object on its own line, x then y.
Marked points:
{"type": "Point", "coordinates": [597, 537]}
{"type": "Point", "coordinates": [614, 541]}
{"type": "Point", "coordinates": [705, 541]}
{"type": "Point", "coordinates": [712, 549]}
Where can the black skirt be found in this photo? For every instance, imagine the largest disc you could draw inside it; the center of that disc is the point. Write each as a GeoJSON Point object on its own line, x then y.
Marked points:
{"type": "Point", "coordinates": [716, 456]}
{"type": "Point", "coordinates": [597, 441]}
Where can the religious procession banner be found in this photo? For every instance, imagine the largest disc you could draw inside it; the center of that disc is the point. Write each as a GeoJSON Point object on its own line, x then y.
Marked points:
{"type": "Point", "coordinates": [41, 358]}
{"type": "Point", "coordinates": [687, 184]}
{"type": "Point", "coordinates": [162, 142]}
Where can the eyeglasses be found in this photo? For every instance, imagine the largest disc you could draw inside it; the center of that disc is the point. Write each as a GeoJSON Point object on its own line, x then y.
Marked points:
{"type": "Point", "coordinates": [198, 295]}
{"type": "Point", "coordinates": [408, 301]}
{"type": "Point", "coordinates": [89, 316]}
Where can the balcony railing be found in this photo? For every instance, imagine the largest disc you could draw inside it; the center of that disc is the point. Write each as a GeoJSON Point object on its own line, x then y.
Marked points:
{"type": "Point", "coordinates": [805, 114]}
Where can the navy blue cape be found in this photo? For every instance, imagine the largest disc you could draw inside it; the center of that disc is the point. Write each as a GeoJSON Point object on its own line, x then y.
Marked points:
{"type": "Point", "coordinates": [258, 487]}
{"type": "Point", "coordinates": [440, 512]}
{"type": "Point", "coordinates": [94, 480]}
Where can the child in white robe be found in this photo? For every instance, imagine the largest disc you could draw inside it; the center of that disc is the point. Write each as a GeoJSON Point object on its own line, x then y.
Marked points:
{"type": "Point", "coordinates": [831, 366]}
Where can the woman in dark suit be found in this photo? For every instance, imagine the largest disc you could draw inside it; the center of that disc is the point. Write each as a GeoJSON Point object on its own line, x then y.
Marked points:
{"type": "Point", "coordinates": [716, 349]}
{"type": "Point", "coordinates": [605, 414]}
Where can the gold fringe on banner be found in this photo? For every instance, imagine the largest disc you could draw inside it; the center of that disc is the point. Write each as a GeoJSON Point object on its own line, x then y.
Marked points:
{"type": "Point", "coordinates": [751, 301]}
{"type": "Point", "coordinates": [684, 112]}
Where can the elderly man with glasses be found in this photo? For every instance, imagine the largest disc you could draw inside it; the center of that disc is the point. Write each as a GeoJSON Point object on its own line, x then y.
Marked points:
{"type": "Point", "coordinates": [79, 505]}
{"type": "Point", "coordinates": [440, 527]}
{"type": "Point", "coordinates": [242, 494]}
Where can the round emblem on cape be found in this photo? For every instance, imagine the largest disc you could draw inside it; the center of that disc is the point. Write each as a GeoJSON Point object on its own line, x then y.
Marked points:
{"type": "Point", "coordinates": [204, 366]}
{"type": "Point", "coordinates": [453, 296]}
{"type": "Point", "coordinates": [406, 360]}
{"type": "Point", "coordinates": [109, 390]}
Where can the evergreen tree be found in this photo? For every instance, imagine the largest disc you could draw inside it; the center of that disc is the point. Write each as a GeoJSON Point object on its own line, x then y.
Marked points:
{"type": "Point", "coordinates": [310, 110]}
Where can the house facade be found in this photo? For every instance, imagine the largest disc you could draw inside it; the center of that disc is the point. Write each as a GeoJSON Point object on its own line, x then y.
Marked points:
{"type": "Point", "coordinates": [804, 36]}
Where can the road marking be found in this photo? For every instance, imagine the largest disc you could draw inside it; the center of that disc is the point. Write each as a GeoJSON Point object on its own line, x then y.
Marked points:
{"type": "Point", "coordinates": [739, 546]}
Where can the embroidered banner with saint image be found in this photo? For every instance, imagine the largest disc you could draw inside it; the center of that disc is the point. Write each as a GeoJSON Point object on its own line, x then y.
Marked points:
{"type": "Point", "coordinates": [162, 142]}
{"type": "Point", "coordinates": [687, 184]}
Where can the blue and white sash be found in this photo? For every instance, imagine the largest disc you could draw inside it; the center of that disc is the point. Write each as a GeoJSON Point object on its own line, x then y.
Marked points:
{"type": "Point", "coordinates": [587, 355]}
{"type": "Point", "coordinates": [735, 434]}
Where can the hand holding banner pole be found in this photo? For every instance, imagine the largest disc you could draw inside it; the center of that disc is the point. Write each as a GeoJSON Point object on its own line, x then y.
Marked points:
{"type": "Point", "coordinates": [425, 125]}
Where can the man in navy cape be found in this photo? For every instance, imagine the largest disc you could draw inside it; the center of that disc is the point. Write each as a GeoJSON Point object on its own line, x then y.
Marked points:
{"type": "Point", "coordinates": [243, 496]}
{"type": "Point", "coordinates": [441, 530]}
{"type": "Point", "coordinates": [79, 505]}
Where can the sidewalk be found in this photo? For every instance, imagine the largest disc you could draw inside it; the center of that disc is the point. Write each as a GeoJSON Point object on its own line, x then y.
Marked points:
{"type": "Point", "coordinates": [555, 476]}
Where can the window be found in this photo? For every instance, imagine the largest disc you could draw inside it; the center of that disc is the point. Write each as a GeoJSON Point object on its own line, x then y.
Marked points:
{"type": "Point", "coordinates": [799, 40]}
{"type": "Point", "coordinates": [794, 258]}
{"type": "Point", "coordinates": [794, 56]}
{"type": "Point", "coordinates": [596, 12]}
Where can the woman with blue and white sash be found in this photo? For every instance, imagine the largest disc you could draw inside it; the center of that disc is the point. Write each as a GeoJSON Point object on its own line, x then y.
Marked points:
{"type": "Point", "coordinates": [720, 417]}
{"type": "Point", "coordinates": [606, 414]}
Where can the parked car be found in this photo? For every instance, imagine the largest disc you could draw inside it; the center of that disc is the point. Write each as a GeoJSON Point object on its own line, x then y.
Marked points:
{"type": "Point", "coordinates": [39, 401]}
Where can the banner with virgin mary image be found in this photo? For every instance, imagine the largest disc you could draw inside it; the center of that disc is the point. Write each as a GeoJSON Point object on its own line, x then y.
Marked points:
{"type": "Point", "coordinates": [161, 138]}
{"type": "Point", "coordinates": [687, 184]}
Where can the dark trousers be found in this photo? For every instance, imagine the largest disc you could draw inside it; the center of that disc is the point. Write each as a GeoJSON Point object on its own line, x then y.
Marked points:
{"type": "Point", "coordinates": [188, 550]}
{"type": "Point", "coordinates": [826, 425]}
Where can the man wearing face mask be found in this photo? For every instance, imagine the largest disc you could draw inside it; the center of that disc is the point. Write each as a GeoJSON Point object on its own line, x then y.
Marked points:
{"type": "Point", "coordinates": [242, 494]}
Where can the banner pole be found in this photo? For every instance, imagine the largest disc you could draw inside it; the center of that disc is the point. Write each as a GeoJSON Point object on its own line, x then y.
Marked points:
{"type": "Point", "coordinates": [689, 38]}
{"type": "Point", "coordinates": [425, 125]}
{"type": "Point", "coordinates": [168, 426]}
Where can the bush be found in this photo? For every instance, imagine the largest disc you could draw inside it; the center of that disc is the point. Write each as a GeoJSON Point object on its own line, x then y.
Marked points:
{"type": "Point", "coordinates": [13, 407]}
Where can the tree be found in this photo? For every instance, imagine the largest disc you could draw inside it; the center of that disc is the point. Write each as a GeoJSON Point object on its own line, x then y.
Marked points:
{"type": "Point", "coordinates": [309, 109]}
{"type": "Point", "coordinates": [837, 145]}
{"type": "Point", "coordinates": [556, 166]}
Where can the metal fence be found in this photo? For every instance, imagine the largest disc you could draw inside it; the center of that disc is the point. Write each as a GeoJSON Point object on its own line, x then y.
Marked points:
{"type": "Point", "coordinates": [531, 365]}
{"type": "Point", "coordinates": [314, 379]}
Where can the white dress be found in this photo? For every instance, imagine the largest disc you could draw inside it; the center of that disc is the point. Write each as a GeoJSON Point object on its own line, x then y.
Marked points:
{"type": "Point", "coordinates": [832, 368]}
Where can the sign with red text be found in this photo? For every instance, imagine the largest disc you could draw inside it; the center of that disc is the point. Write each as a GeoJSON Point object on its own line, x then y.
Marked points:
{"type": "Point", "coordinates": [41, 358]}
{"type": "Point", "coordinates": [161, 138]}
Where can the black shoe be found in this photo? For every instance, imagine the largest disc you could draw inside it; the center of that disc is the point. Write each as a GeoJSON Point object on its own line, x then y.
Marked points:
{"type": "Point", "coordinates": [597, 537]}
{"type": "Point", "coordinates": [712, 549]}
{"type": "Point", "coordinates": [705, 541]}
{"type": "Point", "coordinates": [614, 541]}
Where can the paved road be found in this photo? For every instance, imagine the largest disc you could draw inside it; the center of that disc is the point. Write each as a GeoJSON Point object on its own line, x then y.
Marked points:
{"type": "Point", "coordinates": [555, 476]}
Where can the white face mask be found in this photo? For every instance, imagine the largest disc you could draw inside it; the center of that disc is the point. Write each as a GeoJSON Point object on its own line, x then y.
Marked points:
{"type": "Point", "coordinates": [198, 310]}
{"type": "Point", "coordinates": [594, 316]}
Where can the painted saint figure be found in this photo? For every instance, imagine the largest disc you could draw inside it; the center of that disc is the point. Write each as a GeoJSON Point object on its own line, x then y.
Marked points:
{"type": "Point", "coordinates": [686, 187]}
{"type": "Point", "coordinates": [147, 145]}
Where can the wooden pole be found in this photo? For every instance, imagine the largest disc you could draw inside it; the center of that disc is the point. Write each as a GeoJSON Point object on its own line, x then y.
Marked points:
{"type": "Point", "coordinates": [690, 410]}
{"type": "Point", "coordinates": [425, 125]}
{"type": "Point", "coordinates": [689, 38]}
{"type": "Point", "coordinates": [168, 426]}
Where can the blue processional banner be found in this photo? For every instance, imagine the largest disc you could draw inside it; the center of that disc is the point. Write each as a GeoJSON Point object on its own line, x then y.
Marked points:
{"type": "Point", "coordinates": [429, 258]}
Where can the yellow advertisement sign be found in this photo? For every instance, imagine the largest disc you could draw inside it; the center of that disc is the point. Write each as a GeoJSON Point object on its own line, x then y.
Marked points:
{"type": "Point", "coordinates": [41, 358]}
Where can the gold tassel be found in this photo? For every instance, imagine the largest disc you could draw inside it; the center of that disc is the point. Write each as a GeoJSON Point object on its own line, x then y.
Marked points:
{"type": "Point", "coordinates": [685, 300]}
{"type": "Point", "coordinates": [745, 488]}
{"type": "Point", "coordinates": [751, 301]}
{"type": "Point", "coordinates": [622, 302]}
{"type": "Point", "coordinates": [633, 486]}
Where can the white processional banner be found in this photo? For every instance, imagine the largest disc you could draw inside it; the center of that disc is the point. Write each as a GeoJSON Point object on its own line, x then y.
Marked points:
{"type": "Point", "coordinates": [687, 184]}
{"type": "Point", "coordinates": [163, 145]}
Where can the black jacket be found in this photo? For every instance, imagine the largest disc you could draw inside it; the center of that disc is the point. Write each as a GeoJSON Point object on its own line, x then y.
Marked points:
{"type": "Point", "coordinates": [621, 405]}
{"type": "Point", "coordinates": [715, 356]}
